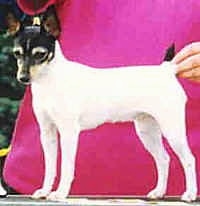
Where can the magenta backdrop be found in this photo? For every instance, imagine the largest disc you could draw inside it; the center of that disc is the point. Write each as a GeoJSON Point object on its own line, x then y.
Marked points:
{"type": "Point", "coordinates": [101, 33]}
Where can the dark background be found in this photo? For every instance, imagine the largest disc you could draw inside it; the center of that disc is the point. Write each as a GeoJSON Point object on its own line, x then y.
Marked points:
{"type": "Point", "coordinates": [11, 92]}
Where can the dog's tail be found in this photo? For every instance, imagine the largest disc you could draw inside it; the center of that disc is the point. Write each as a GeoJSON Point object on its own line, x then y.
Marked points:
{"type": "Point", "coordinates": [170, 53]}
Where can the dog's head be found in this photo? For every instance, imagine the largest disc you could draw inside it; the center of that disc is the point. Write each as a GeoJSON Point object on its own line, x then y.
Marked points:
{"type": "Point", "coordinates": [34, 43]}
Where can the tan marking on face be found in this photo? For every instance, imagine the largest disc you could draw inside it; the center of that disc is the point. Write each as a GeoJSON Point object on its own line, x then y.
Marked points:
{"type": "Point", "coordinates": [50, 55]}
{"type": "Point", "coordinates": [36, 70]}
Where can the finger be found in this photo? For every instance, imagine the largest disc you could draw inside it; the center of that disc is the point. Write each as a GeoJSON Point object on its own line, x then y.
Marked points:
{"type": "Point", "coordinates": [190, 74]}
{"type": "Point", "coordinates": [192, 79]}
{"type": "Point", "coordinates": [192, 62]}
{"type": "Point", "coordinates": [189, 50]}
{"type": "Point", "coordinates": [196, 80]}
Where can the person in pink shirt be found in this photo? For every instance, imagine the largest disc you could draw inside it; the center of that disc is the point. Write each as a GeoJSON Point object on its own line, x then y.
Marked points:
{"type": "Point", "coordinates": [101, 33]}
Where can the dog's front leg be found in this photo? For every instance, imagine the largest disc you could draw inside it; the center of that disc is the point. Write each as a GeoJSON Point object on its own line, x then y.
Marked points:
{"type": "Point", "coordinates": [69, 134]}
{"type": "Point", "coordinates": [48, 137]}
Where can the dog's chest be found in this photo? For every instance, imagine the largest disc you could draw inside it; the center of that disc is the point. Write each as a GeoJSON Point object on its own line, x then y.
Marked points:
{"type": "Point", "coordinates": [49, 98]}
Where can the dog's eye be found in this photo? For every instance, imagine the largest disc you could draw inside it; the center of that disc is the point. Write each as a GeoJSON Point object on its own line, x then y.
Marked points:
{"type": "Point", "coordinates": [17, 54]}
{"type": "Point", "coordinates": [40, 55]}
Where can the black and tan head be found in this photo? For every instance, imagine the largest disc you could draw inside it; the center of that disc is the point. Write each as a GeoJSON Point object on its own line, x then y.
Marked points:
{"type": "Point", "coordinates": [34, 43]}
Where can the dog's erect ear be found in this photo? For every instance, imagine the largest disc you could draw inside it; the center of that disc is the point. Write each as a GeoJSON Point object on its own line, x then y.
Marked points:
{"type": "Point", "coordinates": [51, 23]}
{"type": "Point", "coordinates": [13, 24]}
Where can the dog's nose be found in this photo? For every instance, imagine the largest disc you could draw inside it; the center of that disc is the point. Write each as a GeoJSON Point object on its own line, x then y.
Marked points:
{"type": "Point", "coordinates": [24, 79]}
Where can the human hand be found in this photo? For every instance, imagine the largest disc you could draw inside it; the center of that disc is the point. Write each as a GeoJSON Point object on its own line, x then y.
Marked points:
{"type": "Point", "coordinates": [188, 62]}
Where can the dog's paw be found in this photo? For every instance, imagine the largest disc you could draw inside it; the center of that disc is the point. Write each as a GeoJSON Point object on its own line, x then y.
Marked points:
{"type": "Point", "coordinates": [3, 192]}
{"type": "Point", "coordinates": [57, 196]}
{"type": "Point", "coordinates": [40, 193]}
{"type": "Point", "coordinates": [155, 194]}
{"type": "Point", "coordinates": [189, 196]}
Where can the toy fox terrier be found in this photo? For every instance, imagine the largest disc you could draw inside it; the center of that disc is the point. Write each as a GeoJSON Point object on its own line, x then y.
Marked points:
{"type": "Point", "coordinates": [69, 97]}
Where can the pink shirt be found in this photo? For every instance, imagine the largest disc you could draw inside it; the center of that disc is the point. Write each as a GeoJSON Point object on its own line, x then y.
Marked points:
{"type": "Point", "coordinates": [101, 33]}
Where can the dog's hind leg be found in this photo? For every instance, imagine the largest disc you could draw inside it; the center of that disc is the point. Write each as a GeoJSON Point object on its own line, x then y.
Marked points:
{"type": "Point", "coordinates": [175, 132]}
{"type": "Point", "coordinates": [149, 133]}
{"type": "Point", "coordinates": [48, 137]}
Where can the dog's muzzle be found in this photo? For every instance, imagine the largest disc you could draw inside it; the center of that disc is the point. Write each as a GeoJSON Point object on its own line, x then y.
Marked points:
{"type": "Point", "coordinates": [24, 78]}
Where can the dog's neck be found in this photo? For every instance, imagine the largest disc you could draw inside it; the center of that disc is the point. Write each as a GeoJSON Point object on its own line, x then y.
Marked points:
{"type": "Point", "coordinates": [58, 58]}
{"type": "Point", "coordinates": [54, 68]}
{"type": "Point", "coordinates": [58, 51]}
{"type": "Point", "coordinates": [58, 55]}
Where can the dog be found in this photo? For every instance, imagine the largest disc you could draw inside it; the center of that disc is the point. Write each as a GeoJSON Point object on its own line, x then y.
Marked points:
{"type": "Point", "coordinates": [69, 97]}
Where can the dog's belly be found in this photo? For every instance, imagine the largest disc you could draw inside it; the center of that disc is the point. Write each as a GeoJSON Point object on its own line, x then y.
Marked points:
{"type": "Point", "coordinates": [97, 118]}
{"type": "Point", "coordinates": [92, 115]}
{"type": "Point", "coordinates": [95, 111]}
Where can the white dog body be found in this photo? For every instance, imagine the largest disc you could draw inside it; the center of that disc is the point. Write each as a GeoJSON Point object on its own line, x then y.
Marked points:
{"type": "Point", "coordinates": [95, 96]}
{"type": "Point", "coordinates": [69, 97]}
